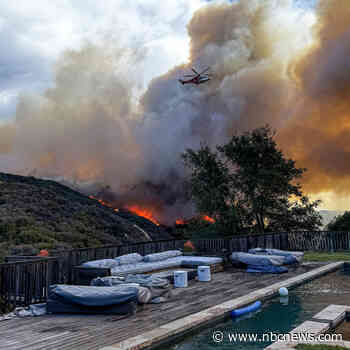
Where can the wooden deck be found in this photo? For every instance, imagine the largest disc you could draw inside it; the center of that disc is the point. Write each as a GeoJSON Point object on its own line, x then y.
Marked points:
{"type": "Point", "coordinates": [96, 331]}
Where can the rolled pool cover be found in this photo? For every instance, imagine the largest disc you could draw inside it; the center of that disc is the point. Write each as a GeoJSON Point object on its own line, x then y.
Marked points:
{"type": "Point", "coordinates": [244, 310]}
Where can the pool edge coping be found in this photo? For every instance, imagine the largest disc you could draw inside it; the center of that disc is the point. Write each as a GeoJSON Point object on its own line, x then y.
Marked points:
{"type": "Point", "coordinates": [215, 313]}
{"type": "Point", "coordinates": [328, 318]}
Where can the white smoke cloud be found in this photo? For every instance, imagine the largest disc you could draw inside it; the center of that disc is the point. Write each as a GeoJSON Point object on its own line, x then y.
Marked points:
{"type": "Point", "coordinates": [33, 35]}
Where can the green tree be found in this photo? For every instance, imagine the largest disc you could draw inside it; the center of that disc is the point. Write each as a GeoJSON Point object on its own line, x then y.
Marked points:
{"type": "Point", "coordinates": [249, 183]}
{"type": "Point", "coordinates": [210, 187]}
{"type": "Point", "coordinates": [340, 223]}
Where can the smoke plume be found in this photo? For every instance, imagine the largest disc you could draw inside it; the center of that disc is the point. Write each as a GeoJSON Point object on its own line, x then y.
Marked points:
{"type": "Point", "coordinates": [272, 62]}
{"type": "Point", "coordinates": [317, 131]}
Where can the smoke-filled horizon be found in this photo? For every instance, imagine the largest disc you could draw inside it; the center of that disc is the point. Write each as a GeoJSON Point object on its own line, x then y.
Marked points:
{"type": "Point", "coordinates": [272, 62]}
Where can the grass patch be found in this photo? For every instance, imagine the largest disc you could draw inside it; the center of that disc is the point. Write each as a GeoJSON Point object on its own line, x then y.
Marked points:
{"type": "Point", "coordinates": [316, 256]}
{"type": "Point", "coordinates": [318, 347]}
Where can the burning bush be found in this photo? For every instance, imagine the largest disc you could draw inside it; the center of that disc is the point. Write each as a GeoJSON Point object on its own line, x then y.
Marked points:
{"type": "Point", "coordinates": [189, 247]}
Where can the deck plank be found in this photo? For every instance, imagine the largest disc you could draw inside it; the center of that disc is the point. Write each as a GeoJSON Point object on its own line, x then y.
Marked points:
{"type": "Point", "coordinates": [51, 332]}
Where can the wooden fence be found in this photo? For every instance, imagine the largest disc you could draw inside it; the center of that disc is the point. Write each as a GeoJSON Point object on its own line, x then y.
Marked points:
{"type": "Point", "coordinates": [319, 241]}
{"type": "Point", "coordinates": [26, 281]}
{"type": "Point", "coordinates": [242, 243]}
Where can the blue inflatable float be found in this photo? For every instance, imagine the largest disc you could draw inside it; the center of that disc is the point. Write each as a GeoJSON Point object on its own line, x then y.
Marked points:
{"type": "Point", "coordinates": [244, 310]}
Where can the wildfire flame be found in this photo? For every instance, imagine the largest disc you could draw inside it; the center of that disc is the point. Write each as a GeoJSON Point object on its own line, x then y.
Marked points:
{"type": "Point", "coordinates": [202, 217]}
{"type": "Point", "coordinates": [208, 218]}
{"type": "Point", "coordinates": [146, 213]}
{"type": "Point", "coordinates": [104, 203]}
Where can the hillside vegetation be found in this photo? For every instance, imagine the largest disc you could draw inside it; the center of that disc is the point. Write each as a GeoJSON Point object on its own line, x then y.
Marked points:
{"type": "Point", "coordinates": [37, 214]}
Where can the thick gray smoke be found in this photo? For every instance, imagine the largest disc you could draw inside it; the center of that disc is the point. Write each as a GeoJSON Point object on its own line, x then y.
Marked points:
{"type": "Point", "coordinates": [89, 127]}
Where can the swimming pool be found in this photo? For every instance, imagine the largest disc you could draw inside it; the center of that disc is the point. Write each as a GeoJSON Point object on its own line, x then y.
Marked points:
{"type": "Point", "coordinates": [276, 315]}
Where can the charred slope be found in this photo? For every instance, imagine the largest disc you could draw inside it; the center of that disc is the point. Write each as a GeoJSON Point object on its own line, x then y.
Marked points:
{"type": "Point", "coordinates": [46, 214]}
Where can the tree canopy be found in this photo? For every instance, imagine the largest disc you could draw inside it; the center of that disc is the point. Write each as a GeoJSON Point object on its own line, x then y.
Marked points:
{"type": "Point", "coordinates": [340, 223]}
{"type": "Point", "coordinates": [248, 185]}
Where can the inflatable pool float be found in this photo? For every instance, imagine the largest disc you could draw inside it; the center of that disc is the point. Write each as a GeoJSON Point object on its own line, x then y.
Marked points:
{"type": "Point", "coordinates": [244, 310]}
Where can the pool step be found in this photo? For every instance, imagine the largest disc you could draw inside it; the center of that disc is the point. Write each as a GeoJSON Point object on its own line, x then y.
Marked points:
{"type": "Point", "coordinates": [333, 314]}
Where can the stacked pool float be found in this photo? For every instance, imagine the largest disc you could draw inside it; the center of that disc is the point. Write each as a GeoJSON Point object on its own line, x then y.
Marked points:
{"type": "Point", "coordinates": [266, 260]}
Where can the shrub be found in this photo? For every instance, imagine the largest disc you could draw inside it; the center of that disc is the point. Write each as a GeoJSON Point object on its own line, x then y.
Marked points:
{"type": "Point", "coordinates": [3, 307]}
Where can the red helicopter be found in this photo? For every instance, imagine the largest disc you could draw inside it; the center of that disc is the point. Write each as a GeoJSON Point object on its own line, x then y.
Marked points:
{"type": "Point", "coordinates": [196, 78]}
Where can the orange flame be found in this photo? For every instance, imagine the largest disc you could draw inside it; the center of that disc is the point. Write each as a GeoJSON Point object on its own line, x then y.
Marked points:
{"type": "Point", "coordinates": [146, 213]}
{"type": "Point", "coordinates": [43, 252]}
{"type": "Point", "coordinates": [180, 222]}
{"type": "Point", "coordinates": [208, 218]}
{"type": "Point", "coordinates": [189, 245]}
{"type": "Point", "coordinates": [104, 203]}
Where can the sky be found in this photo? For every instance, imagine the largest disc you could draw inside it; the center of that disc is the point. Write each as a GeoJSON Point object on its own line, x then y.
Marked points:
{"type": "Point", "coordinates": [34, 35]}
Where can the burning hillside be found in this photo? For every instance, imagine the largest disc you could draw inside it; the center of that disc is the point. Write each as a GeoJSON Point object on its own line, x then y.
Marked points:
{"type": "Point", "coordinates": [273, 62]}
{"type": "Point", "coordinates": [146, 213]}
{"type": "Point", "coordinates": [208, 219]}
{"type": "Point", "coordinates": [180, 222]}
{"type": "Point", "coordinates": [43, 213]}
{"type": "Point", "coordinates": [149, 213]}
{"type": "Point", "coordinates": [199, 218]}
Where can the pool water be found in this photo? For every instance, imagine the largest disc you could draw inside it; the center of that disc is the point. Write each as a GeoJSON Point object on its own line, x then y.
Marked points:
{"type": "Point", "coordinates": [277, 315]}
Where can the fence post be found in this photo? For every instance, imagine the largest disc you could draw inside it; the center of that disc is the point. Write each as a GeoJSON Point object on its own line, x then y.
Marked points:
{"type": "Point", "coordinates": [332, 243]}
{"type": "Point", "coordinates": [69, 266]}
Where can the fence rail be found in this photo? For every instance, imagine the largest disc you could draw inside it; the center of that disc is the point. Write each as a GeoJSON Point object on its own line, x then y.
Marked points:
{"type": "Point", "coordinates": [319, 241]}
{"type": "Point", "coordinates": [25, 280]}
